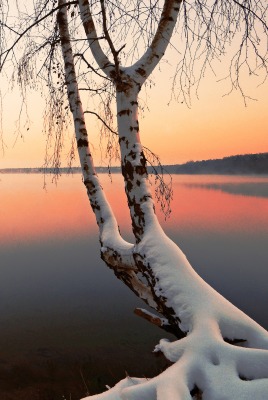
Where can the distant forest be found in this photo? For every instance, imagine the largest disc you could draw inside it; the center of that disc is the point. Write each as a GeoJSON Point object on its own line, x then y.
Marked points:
{"type": "Point", "coordinates": [246, 164]}
{"type": "Point", "coordinates": [240, 164]}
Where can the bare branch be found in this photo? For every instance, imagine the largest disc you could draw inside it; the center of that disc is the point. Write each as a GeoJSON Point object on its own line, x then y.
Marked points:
{"type": "Point", "coordinates": [90, 31]}
{"type": "Point", "coordinates": [22, 34]}
{"type": "Point", "coordinates": [108, 37]}
{"type": "Point", "coordinates": [90, 66]}
{"type": "Point", "coordinates": [102, 120]}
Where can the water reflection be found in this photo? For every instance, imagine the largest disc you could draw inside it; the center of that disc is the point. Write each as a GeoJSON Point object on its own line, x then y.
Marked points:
{"type": "Point", "coordinates": [29, 213]}
{"type": "Point", "coordinates": [62, 310]}
{"type": "Point", "coordinates": [256, 189]}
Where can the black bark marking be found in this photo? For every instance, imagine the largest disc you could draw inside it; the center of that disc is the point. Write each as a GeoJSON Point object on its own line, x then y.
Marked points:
{"type": "Point", "coordinates": [243, 378]}
{"type": "Point", "coordinates": [132, 154]}
{"type": "Point", "coordinates": [61, 21]}
{"type": "Point", "coordinates": [138, 218]}
{"type": "Point", "coordinates": [163, 309]}
{"type": "Point", "coordinates": [82, 143]}
{"type": "Point", "coordinates": [113, 259]}
{"type": "Point", "coordinates": [141, 72]}
{"type": "Point", "coordinates": [129, 186]}
{"type": "Point", "coordinates": [123, 139]}
{"type": "Point", "coordinates": [124, 112]}
{"type": "Point", "coordinates": [127, 170]}
{"type": "Point", "coordinates": [167, 19]}
{"type": "Point", "coordinates": [89, 184]}
{"type": "Point", "coordinates": [134, 128]}
{"type": "Point", "coordinates": [108, 64]}
{"type": "Point", "coordinates": [138, 183]}
{"type": "Point", "coordinates": [196, 393]}
{"type": "Point", "coordinates": [138, 211]}
{"type": "Point", "coordinates": [91, 189]}
{"type": "Point", "coordinates": [234, 341]}
{"type": "Point", "coordinates": [83, 131]}
{"type": "Point", "coordinates": [88, 26]}
{"type": "Point", "coordinates": [68, 64]}
{"type": "Point", "coordinates": [95, 206]}
{"type": "Point", "coordinates": [141, 170]}
{"type": "Point", "coordinates": [122, 81]}
{"type": "Point", "coordinates": [145, 197]}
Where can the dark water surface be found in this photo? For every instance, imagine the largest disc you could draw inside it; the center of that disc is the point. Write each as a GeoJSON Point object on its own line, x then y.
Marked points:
{"type": "Point", "coordinates": [67, 325]}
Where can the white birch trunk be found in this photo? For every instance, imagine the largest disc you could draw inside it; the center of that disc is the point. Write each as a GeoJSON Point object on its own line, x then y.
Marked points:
{"type": "Point", "coordinates": [133, 161]}
{"type": "Point", "coordinates": [116, 252]}
{"type": "Point", "coordinates": [207, 364]}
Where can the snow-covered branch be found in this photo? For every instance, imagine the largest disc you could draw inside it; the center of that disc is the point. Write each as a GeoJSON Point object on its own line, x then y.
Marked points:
{"type": "Point", "coordinates": [206, 366]}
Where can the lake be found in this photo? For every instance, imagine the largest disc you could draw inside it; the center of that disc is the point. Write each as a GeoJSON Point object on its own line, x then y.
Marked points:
{"type": "Point", "coordinates": [67, 324]}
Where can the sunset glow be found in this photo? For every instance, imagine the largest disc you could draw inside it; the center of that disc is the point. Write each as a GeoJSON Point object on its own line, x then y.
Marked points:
{"type": "Point", "coordinates": [133, 183]}
{"type": "Point", "coordinates": [29, 213]}
{"type": "Point", "coordinates": [214, 126]}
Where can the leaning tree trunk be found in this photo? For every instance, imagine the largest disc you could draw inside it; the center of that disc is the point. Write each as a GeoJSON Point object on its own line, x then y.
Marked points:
{"type": "Point", "coordinates": [220, 353]}
{"type": "Point", "coordinates": [116, 252]}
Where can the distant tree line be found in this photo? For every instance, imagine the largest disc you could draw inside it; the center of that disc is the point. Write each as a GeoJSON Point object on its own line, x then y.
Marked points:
{"type": "Point", "coordinates": [239, 164]}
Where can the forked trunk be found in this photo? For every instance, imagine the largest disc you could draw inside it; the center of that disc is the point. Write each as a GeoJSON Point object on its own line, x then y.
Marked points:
{"type": "Point", "coordinates": [206, 361]}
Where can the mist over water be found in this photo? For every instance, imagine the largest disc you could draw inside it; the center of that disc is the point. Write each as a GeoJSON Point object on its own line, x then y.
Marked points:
{"type": "Point", "coordinates": [62, 310]}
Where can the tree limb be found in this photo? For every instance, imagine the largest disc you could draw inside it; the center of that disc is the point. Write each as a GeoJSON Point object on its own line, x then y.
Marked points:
{"type": "Point", "coordinates": [109, 233]}
{"type": "Point", "coordinates": [11, 49]}
{"type": "Point", "coordinates": [90, 31]}
{"type": "Point", "coordinates": [108, 37]}
{"type": "Point", "coordinates": [104, 123]}
{"type": "Point", "coordinates": [146, 64]}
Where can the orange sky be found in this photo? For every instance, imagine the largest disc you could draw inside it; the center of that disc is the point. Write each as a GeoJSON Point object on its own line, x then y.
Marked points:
{"type": "Point", "coordinates": [214, 126]}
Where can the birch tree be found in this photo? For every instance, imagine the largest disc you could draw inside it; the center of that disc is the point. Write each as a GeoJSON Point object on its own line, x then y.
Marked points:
{"type": "Point", "coordinates": [219, 352]}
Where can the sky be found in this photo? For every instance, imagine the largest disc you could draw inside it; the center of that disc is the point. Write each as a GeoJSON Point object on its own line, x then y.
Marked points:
{"type": "Point", "coordinates": [214, 126]}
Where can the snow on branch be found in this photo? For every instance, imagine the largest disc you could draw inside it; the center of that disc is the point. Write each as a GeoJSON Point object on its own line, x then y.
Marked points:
{"type": "Point", "coordinates": [205, 365]}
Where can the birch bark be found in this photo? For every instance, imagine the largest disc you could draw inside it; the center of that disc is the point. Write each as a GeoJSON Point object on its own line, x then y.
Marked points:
{"type": "Point", "coordinates": [116, 252]}
{"type": "Point", "coordinates": [128, 82]}
{"type": "Point", "coordinates": [211, 325]}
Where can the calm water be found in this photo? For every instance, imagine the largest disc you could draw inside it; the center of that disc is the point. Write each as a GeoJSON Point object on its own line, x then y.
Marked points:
{"type": "Point", "coordinates": [67, 324]}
